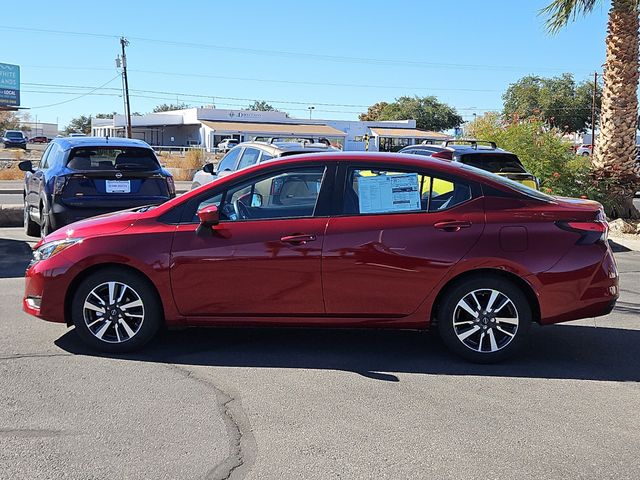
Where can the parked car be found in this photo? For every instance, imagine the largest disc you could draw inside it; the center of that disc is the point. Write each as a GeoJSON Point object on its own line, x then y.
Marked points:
{"type": "Point", "coordinates": [14, 139]}
{"type": "Point", "coordinates": [584, 150]}
{"type": "Point", "coordinates": [487, 156]}
{"type": "Point", "coordinates": [77, 134]}
{"type": "Point", "coordinates": [333, 240]}
{"type": "Point", "coordinates": [227, 144]}
{"type": "Point", "coordinates": [39, 139]}
{"type": "Point", "coordinates": [87, 176]}
{"type": "Point", "coordinates": [422, 149]}
{"type": "Point", "coordinates": [250, 153]}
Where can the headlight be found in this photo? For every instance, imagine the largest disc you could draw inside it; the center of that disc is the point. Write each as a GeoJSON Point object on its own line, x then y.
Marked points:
{"type": "Point", "coordinates": [49, 249]}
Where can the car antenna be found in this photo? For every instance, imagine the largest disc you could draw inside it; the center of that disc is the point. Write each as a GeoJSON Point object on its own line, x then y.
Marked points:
{"type": "Point", "coordinates": [106, 137]}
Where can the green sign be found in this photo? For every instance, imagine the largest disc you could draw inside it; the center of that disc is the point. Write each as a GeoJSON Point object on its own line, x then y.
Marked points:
{"type": "Point", "coordinates": [9, 85]}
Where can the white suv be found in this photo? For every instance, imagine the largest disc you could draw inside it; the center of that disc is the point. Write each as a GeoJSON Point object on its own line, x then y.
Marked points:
{"type": "Point", "coordinates": [227, 144]}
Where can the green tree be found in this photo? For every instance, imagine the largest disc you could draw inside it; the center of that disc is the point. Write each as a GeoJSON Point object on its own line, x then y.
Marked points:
{"type": "Point", "coordinates": [615, 152]}
{"type": "Point", "coordinates": [81, 124]}
{"type": "Point", "coordinates": [261, 106]}
{"type": "Point", "coordinates": [428, 112]}
{"type": "Point", "coordinates": [559, 101]}
{"type": "Point", "coordinates": [168, 107]}
{"type": "Point", "coordinates": [373, 112]}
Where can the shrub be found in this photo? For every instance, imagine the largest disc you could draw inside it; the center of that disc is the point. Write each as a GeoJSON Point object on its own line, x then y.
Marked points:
{"type": "Point", "coordinates": [545, 154]}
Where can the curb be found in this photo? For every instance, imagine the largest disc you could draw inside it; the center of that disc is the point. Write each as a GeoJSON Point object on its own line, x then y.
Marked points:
{"type": "Point", "coordinates": [11, 215]}
{"type": "Point", "coordinates": [11, 191]}
{"type": "Point", "coordinates": [628, 243]}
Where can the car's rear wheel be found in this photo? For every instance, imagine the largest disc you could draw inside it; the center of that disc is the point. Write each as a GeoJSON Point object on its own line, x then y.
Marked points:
{"type": "Point", "coordinates": [116, 311]}
{"type": "Point", "coordinates": [484, 319]}
{"type": "Point", "coordinates": [31, 228]}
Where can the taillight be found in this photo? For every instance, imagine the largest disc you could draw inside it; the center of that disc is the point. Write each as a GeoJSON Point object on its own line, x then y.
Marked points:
{"type": "Point", "coordinates": [445, 154]}
{"type": "Point", "coordinates": [590, 232]}
{"type": "Point", "coordinates": [58, 185]}
{"type": "Point", "coordinates": [171, 186]}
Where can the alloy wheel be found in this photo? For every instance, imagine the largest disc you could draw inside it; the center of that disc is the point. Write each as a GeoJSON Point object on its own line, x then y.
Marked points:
{"type": "Point", "coordinates": [485, 320]}
{"type": "Point", "coordinates": [113, 312]}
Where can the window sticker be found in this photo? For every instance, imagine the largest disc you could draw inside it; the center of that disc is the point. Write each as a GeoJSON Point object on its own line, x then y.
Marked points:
{"type": "Point", "coordinates": [389, 193]}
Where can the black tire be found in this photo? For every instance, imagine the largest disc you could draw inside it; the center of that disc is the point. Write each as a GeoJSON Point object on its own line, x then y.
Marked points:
{"type": "Point", "coordinates": [31, 228]}
{"type": "Point", "coordinates": [488, 337]}
{"type": "Point", "coordinates": [87, 322]}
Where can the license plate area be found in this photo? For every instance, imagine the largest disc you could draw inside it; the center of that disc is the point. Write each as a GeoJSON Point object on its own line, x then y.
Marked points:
{"type": "Point", "coordinates": [118, 186]}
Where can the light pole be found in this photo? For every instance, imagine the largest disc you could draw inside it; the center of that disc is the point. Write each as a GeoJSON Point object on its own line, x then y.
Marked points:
{"type": "Point", "coordinates": [311, 109]}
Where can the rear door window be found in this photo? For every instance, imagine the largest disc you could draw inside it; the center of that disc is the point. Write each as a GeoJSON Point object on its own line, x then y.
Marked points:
{"type": "Point", "coordinates": [249, 157]}
{"type": "Point", "coordinates": [112, 158]}
{"type": "Point", "coordinates": [383, 191]}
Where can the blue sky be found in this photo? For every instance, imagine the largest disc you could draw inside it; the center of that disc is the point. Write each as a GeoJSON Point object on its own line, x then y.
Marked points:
{"type": "Point", "coordinates": [338, 56]}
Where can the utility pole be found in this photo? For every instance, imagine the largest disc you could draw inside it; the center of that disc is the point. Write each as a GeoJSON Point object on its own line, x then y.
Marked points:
{"type": "Point", "coordinates": [124, 42]}
{"type": "Point", "coordinates": [593, 114]}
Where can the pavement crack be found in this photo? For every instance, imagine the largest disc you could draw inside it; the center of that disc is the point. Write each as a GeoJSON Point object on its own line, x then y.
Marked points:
{"type": "Point", "coordinates": [19, 356]}
{"type": "Point", "coordinates": [242, 444]}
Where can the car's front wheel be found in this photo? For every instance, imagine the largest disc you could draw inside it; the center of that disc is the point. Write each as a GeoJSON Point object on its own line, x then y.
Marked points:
{"type": "Point", "coordinates": [116, 311]}
{"type": "Point", "coordinates": [31, 228]}
{"type": "Point", "coordinates": [484, 319]}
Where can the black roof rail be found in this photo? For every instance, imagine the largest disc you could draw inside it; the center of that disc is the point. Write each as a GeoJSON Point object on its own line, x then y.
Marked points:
{"type": "Point", "coordinates": [474, 143]}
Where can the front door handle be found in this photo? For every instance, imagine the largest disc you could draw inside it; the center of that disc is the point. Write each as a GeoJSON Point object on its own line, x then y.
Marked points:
{"type": "Point", "coordinates": [299, 239]}
{"type": "Point", "coordinates": [452, 225]}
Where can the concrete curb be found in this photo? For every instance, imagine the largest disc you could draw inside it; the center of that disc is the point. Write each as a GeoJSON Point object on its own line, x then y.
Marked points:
{"type": "Point", "coordinates": [11, 191]}
{"type": "Point", "coordinates": [11, 215]}
{"type": "Point", "coordinates": [629, 243]}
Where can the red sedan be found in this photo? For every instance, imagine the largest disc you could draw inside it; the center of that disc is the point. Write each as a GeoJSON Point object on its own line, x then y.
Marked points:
{"type": "Point", "coordinates": [335, 240]}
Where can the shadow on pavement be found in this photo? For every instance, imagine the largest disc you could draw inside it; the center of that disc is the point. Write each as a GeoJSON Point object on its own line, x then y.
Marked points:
{"type": "Point", "coordinates": [560, 352]}
{"type": "Point", "coordinates": [15, 255]}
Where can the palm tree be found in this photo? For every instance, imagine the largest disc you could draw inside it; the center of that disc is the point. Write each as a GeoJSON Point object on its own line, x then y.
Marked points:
{"type": "Point", "coordinates": [614, 159]}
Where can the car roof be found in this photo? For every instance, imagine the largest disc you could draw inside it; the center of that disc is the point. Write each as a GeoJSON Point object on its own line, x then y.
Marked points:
{"type": "Point", "coordinates": [73, 142]}
{"type": "Point", "coordinates": [465, 149]}
{"type": "Point", "coordinates": [276, 149]}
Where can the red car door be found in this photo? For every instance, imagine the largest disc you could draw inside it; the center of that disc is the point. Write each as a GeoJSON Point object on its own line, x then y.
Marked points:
{"type": "Point", "coordinates": [264, 257]}
{"type": "Point", "coordinates": [386, 260]}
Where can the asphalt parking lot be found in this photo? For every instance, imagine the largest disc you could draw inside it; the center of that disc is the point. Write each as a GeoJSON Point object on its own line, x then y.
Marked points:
{"type": "Point", "coordinates": [285, 403]}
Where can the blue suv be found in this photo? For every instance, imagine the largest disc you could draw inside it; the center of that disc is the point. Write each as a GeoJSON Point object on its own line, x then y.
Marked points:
{"type": "Point", "coordinates": [82, 177]}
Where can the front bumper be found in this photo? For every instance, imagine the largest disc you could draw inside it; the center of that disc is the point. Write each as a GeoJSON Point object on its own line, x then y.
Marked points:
{"type": "Point", "coordinates": [46, 284]}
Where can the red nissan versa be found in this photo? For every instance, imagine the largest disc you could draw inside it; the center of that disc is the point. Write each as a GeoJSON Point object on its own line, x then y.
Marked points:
{"type": "Point", "coordinates": [335, 240]}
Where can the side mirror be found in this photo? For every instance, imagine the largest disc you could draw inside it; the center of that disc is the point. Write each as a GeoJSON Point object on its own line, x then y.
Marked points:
{"type": "Point", "coordinates": [208, 168]}
{"type": "Point", "coordinates": [208, 216]}
{"type": "Point", "coordinates": [26, 166]}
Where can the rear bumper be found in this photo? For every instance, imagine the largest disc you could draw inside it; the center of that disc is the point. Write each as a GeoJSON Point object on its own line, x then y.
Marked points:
{"type": "Point", "coordinates": [62, 214]}
{"type": "Point", "coordinates": [584, 284]}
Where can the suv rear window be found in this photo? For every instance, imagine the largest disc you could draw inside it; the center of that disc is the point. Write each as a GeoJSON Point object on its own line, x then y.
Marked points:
{"type": "Point", "coordinates": [112, 158]}
{"type": "Point", "coordinates": [494, 162]}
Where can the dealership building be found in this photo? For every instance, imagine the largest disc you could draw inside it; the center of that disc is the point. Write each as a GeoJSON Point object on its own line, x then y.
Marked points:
{"type": "Point", "coordinates": [206, 127]}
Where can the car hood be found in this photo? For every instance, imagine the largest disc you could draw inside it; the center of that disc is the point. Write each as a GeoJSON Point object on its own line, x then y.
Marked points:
{"type": "Point", "coordinates": [106, 224]}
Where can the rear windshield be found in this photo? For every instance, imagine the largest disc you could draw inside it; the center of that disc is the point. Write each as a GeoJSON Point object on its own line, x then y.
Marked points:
{"type": "Point", "coordinates": [494, 162]}
{"type": "Point", "coordinates": [14, 135]}
{"type": "Point", "coordinates": [112, 158]}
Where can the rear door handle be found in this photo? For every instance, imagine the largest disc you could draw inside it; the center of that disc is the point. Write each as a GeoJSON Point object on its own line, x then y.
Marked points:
{"type": "Point", "coordinates": [452, 225]}
{"type": "Point", "coordinates": [300, 239]}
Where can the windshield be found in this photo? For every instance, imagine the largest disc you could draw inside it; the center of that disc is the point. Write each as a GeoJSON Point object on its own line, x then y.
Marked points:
{"type": "Point", "coordinates": [530, 192]}
{"type": "Point", "coordinates": [494, 162]}
{"type": "Point", "coordinates": [112, 158]}
{"type": "Point", "coordinates": [14, 135]}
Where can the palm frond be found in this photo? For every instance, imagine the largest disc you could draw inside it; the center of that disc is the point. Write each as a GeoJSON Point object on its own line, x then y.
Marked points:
{"type": "Point", "coordinates": [560, 12]}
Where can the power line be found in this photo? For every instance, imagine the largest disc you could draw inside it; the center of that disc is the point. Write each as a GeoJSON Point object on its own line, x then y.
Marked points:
{"type": "Point", "coordinates": [78, 97]}
{"type": "Point", "coordinates": [288, 54]}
